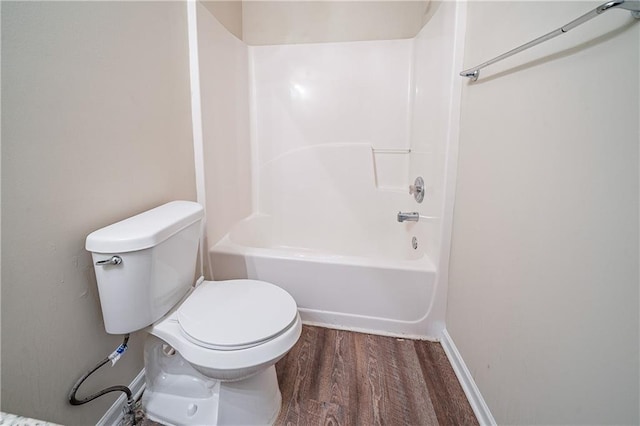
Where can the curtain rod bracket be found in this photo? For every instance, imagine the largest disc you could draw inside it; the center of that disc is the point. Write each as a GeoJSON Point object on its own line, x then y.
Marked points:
{"type": "Point", "coordinates": [472, 74]}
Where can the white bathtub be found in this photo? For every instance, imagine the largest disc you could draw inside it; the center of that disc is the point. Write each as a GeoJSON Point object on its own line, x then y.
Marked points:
{"type": "Point", "coordinates": [367, 286]}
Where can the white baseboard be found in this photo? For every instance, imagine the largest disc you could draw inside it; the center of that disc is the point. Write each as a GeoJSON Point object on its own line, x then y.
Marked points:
{"type": "Point", "coordinates": [480, 408]}
{"type": "Point", "coordinates": [113, 416]}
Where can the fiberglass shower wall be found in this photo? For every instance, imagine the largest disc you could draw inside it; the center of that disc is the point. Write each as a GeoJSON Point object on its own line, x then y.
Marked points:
{"type": "Point", "coordinates": [320, 133]}
{"type": "Point", "coordinates": [323, 113]}
{"type": "Point", "coordinates": [341, 129]}
{"type": "Point", "coordinates": [434, 122]}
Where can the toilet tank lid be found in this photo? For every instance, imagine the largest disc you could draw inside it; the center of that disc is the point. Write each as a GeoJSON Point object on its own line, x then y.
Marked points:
{"type": "Point", "coordinates": [146, 229]}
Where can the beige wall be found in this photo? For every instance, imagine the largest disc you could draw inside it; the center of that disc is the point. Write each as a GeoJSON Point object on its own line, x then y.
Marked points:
{"type": "Point", "coordinates": [290, 22]}
{"type": "Point", "coordinates": [286, 22]}
{"type": "Point", "coordinates": [543, 300]}
{"type": "Point", "coordinates": [228, 13]}
{"type": "Point", "coordinates": [96, 127]}
{"type": "Point", "coordinates": [224, 83]}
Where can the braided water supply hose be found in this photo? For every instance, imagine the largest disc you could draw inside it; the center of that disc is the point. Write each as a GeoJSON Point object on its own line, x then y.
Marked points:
{"type": "Point", "coordinates": [113, 357]}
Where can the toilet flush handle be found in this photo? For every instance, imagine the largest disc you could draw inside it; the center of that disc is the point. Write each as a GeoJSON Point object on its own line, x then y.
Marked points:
{"type": "Point", "coordinates": [115, 260]}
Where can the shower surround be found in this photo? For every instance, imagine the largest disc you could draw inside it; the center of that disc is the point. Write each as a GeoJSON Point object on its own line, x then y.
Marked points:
{"type": "Point", "coordinates": [338, 131]}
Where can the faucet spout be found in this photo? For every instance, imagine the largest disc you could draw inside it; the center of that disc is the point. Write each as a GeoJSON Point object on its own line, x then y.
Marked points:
{"type": "Point", "coordinates": [408, 216]}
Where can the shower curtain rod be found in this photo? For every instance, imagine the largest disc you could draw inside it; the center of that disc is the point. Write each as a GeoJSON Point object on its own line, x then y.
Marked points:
{"type": "Point", "coordinates": [632, 5]}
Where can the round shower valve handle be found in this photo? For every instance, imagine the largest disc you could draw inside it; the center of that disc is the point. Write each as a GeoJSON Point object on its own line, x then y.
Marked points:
{"type": "Point", "coordinates": [115, 260]}
{"type": "Point", "coordinates": [417, 189]}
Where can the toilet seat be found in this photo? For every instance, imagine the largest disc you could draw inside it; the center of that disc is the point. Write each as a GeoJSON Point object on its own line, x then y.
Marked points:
{"type": "Point", "coordinates": [231, 358]}
{"type": "Point", "coordinates": [235, 314]}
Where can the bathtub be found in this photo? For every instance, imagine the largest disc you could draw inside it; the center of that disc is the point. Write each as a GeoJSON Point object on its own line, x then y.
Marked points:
{"type": "Point", "coordinates": [368, 286]}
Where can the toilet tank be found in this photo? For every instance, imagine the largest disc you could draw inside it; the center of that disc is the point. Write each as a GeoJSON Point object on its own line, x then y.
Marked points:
{"type": "Point", "coordinates": [158, 251]}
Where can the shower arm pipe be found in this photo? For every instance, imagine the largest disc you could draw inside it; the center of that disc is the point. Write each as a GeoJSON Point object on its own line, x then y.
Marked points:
{"type": "Point", "coordinates": [632, 5]}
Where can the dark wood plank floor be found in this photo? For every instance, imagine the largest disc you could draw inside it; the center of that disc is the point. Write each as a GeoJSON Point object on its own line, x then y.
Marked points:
{"type": "Point", "coordinates": [334, 377]}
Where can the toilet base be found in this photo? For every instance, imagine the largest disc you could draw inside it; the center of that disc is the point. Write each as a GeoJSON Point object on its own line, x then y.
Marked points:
{"type": "Point", "coordinates": [177, 394]}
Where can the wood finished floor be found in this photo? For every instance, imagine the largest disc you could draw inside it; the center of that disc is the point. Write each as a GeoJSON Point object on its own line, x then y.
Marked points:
{"type": "Point", "coordinates": [335, 377]}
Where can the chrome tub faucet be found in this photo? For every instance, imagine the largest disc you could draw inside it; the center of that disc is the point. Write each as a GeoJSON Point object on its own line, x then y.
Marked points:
{"type": "Point", "coordinates": [408, 216]}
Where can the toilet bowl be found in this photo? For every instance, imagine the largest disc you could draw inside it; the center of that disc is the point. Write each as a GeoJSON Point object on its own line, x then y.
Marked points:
{"type": "Point", "coordinates": [211, 349]}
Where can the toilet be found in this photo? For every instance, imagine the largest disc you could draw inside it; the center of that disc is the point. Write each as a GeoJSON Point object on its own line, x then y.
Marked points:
{"type": "Point", "coordinates": [211, 346]}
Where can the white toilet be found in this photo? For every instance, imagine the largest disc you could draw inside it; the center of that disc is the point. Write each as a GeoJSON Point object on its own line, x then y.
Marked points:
{"type": "Point", "coordinates": [211, 350]}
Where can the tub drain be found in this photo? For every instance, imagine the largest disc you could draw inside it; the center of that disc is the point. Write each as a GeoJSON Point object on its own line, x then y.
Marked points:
{"type": "Point", "coordinates": [414, 243]}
